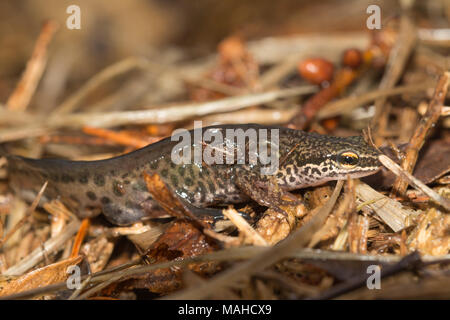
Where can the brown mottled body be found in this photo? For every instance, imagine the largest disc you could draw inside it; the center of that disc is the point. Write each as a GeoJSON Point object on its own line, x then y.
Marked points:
{"type": "Point", "coordinates": [116, 186]}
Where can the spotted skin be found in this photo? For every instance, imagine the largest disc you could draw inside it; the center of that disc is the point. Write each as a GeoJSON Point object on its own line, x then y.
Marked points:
{"type": "Point", "coordinates": [116, 185]}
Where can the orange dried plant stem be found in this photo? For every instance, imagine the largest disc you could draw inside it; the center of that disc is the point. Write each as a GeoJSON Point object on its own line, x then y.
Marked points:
{"type": "Point", "coordinates": [80, 237]}
{"type": "Point", "coordinates": [121, 138]}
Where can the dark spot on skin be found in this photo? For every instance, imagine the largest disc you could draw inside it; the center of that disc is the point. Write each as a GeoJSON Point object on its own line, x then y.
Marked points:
{"type": "Point", "coordinates": [118, 188]}
{"type": "Point", "coordinates": [65, 178]}
{"type": "Point", "coordinates": [181, 171]}
{"type": "Point", "coordinates": [164, 173]}
{"type": "Point", "coordinates": [189, 182]}
{"type": "Point", "coordinates": [288, 171]}
{"type": "Point", "coordinates": [91, 195]}
{"type": "Point", "coordinates": [74, 198]}
{"type": "Point", "coordinates": [125, 175]}
{"type": "Point", "coordinates": [280, 175]}
{"type": "Point", "coordinates": [99, 180]}
{"type": "Point", "coordinates": [172, 165]}
{"type": "Point", "coordinates": [324, 169]}
{"type": "Point", "coordinates": [84, 178]}
{"type": "Point", "coordinates": [174, 180]}
{"type": "Point", "coordinates": [292, 179]}
{"type": "Point", "coordinates": [305, 171]}
{"type": "Point", "coordinates": [315, 170]}
{"type": "Point", "coordinates": [154, 165]}
{"type": "Point", "coordinates": [105, 200]}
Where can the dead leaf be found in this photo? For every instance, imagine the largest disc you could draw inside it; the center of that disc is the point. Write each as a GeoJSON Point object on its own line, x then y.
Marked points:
{"type": "Point", "coordinates": [53, 273]}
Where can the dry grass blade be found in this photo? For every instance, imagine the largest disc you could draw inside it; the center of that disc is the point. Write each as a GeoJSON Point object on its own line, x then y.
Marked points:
{"type": "Point", "coordinates": [389, 210]}
{"type": "Point", "coordinates": [417, 184]}
{"type": "Point", "coordinates": [27, 215]}
{"type": "Point", "coordinates": [297, 240]}
{"type": "Point", "coordinates": [21, 96]}
{"type": "Point", "coordinates": [394, 69]}
{"type": "Point", "coordinates": [105, 75]}
{"type": "Point", "coordinates": [49, 246]}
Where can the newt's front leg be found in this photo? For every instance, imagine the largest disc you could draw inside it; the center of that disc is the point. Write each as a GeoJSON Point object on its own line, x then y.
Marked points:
{"type": "Point", "coordinates": [263, 189]}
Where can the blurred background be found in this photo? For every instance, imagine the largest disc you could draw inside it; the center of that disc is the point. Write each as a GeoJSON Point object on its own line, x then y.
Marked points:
{"type": "Point", "coordinates": [112, 30]}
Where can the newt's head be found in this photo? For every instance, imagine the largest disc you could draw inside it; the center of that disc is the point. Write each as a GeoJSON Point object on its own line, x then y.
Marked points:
{"type": "Point", "coordinates": [320, 158]}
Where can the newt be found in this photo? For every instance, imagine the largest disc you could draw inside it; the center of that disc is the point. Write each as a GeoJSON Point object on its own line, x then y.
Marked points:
{"type": "Point", "coordinates": [117, 188]}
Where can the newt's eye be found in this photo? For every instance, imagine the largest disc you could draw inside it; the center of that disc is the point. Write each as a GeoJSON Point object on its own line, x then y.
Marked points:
{"type": "Point", "coordinates": [348, 159]}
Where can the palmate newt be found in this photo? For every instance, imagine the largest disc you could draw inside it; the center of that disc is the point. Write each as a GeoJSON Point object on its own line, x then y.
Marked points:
{"type": "Point", "coordinates": [117, 188]}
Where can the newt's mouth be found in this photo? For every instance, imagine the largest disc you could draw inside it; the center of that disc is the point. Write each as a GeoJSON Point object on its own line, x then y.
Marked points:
{"type": "Point", "coordinates": [322, 181]}
{"type": "Point", "coordinates": [360, 174]}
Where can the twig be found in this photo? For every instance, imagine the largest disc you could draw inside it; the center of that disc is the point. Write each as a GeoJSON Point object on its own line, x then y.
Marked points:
{"type": "Point", "coordinates": [345, 105]}
{"type": "Point", "coordinates": [409, 261]}
{"type": "Point", "coordinates": [261, 116]}
{"type": "Point", "coordinates": [21, 96]}
{"type": "Point", "coordinates": [426, 124]}
{"type": "Point", "coordinates": [416, 183]}
{"type": "Point", "coordinates": [175, 113]}
{"type": "Point", "coordinates": [77, 292]}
